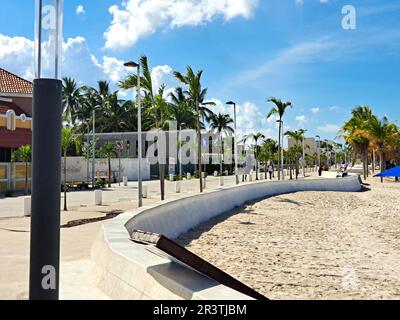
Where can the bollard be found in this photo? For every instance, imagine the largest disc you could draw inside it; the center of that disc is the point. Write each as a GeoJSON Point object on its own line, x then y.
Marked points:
{"type": "Point", "coordinates": [188, 176]}
{"type": "Point", "coordinates": [204, 183]}
{"type": "Point", "coordinates": [226, 172]}
{"type": "Point", "coordinates": [215, 173]}
{"type": "Point", "coordinates": [250, 177]}
{"type": "Point", "coordinates": [144, 191]}
{"type": "Point", "coordinates": [203, 175]}
{"type": "Point", "coordinates": [221, 181]}
{"type": "Point", "coordinates": [27, 206]}
{"type": "Point", "coordinates": [171, 177]}
{"type": "Point", "coordinates": [177, 187]}
{"type": "Point", "coordinates": [261, 176]}
{"type": "Point", "coordinates": [98, 197]}
{"type": "Point", "coordinates": [125, 180]}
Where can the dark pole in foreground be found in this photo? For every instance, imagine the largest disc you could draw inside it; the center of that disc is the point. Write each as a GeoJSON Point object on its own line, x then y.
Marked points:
{"type": "Point", "coordinates": [46, 153]}
{"type": "Point", "coordinates": [46, 190]}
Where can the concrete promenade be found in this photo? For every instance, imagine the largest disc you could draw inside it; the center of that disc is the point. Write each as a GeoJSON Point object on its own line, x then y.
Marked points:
{"type": "Point", "coordinates": [76, 242]}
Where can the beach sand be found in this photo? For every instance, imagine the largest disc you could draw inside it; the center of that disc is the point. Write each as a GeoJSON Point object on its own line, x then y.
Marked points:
{"type": "Point", "coordinates": [310, 245]}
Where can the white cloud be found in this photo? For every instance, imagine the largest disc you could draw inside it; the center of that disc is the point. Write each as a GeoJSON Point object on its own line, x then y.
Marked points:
{"type": "Point", "coordinates": [17, 56]}
{"type": "Point", "coordinates": [300, 2]}
{"type": "Point", "coordinates": [315, 110]}
{"type": "Point", "coordinates": [80, 10]}
{"type": "Point", "coordinates": [329, 128]}
{"type": "Point", "coordinates": [300, 54]}
{"type": "Point", "coordinates": [302, 120]}
{"type": "Point", "coordinates": [333, 108]}
{"type": "Point", "coordinates": [250, 118]}
{"type": "Point", "coordinates": [136, 19]}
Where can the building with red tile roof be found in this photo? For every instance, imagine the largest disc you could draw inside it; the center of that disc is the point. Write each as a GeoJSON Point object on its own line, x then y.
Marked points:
{"type": "Point", "coordinates": [15, 113]}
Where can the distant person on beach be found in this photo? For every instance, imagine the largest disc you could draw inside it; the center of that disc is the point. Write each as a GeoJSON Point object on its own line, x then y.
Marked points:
{"type": "Point", "coordinates": [321, 168]}
{"type": "Point", "coordinates": [270, 170]}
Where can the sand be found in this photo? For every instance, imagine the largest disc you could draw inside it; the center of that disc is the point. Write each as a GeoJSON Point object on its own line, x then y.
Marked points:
{"type": "Point", "coordinates": [310, 245]}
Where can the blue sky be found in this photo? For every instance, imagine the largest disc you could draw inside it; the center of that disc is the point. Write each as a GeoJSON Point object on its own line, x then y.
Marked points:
{"type": "Point", "coordinates": [249, 50]}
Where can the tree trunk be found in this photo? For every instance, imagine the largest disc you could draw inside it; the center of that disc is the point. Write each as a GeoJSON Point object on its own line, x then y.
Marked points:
{"type": "Point", "coordinates": [221, 169]}
{"type": "Point", "coordinates": [365, 163]}
{"type": "Point", "coordinates": [162, 180]}
{"type": "Point", "coordinates": [255, 158]}
{"type": "Point", "coordinates": [279, 152]}
{"type": "Point", "coordinates": [382, 165]}
{"type": "Point", "coordinates": [109, 172]}
{"type": "Point", "coordinates": [65, 182]}
{"type": "Point", "coordinates": [265, 170]}
{"type": "Point", "coordinates": [373, 160]}
{"type": "Point", "coordinates": [26, 178]}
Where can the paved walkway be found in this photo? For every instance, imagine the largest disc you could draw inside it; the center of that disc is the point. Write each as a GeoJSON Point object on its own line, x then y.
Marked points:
{"type": "Point", "coordinates": [14, 207]}
{"type": "Point", "coordinates": [76, 242]}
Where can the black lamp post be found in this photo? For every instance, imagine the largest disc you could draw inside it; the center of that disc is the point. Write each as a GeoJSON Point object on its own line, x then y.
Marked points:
{"type": "Point", "coordinates": [231, 103]}
{"type": "Point", "coordinates": [319, 150]}
{"type": "Point", "coordinates": [46, 153]}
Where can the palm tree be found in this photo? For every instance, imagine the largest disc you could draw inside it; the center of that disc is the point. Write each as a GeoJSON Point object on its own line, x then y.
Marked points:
{"type": "Point", "coordinates": [269, 149]}
{"type": "Point", "coordinates": [115, 114]}
{"type": "Point", "coordinates": [71, 98]}
{"type": "Point", "coordinates": [256, 137]}
{"type": "Point", "coordinates": [67, 139]}
{"type": "Point", "coordinates": [109, 150]}
{"type": "Point", "coordinates": [355, 133]}
{"type": "Point", "coordinates": [279, 109]}
{"type": "Point", "coordinates": [156, 113]}
{"type": "Point", "coordinates": [181, 109]}
{"type": "Point", "coordinates": [221, 124]}
{"type": "Point", "coordinates": [196, 95]}
{"type": "Point", "coordinates": [380, 131]}
{"type": "Point", "coordinates": [24, 154]}
{"type": "Point", "coordinates": [297, 136]}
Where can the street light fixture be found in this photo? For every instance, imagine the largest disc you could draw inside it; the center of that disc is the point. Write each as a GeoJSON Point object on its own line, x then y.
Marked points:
{"type": "Point", "coordinates": [46, 146]}
{"type": "Point", "coordinates": [131, 64]}
{"type": "Point", "coordinates": [319, 150]}
{"type": "Point", "coordinates": [231, 103]}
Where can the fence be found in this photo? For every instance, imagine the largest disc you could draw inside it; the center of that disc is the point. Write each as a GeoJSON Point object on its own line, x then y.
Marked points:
{"type": "Point", "coordinates": [13, 175]}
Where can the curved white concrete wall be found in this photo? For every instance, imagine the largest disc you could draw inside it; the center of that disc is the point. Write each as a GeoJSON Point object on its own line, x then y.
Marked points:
{"type": "Point", "coordinates": [176, 216]}
{"type": "Point", "coordinates": [125, 270]}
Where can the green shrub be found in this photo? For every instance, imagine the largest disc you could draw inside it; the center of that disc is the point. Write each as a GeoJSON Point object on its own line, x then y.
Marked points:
{"type": "Point", "coordinates": [100, 184]}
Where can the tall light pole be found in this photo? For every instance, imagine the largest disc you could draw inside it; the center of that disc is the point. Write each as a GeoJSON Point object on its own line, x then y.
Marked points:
{"type": "Point", "coordinates": [180, 149]}
{"type": "Point", "coordinates": [319, 150]}
{"type": "Point", "coordinates": [94, 145]}
{"type": "Point", "coordinates": [131, 64]}
{"type": "Point", "coordinates": [87, 153]}
{"type": "Point", "coordinates": [304, 152]}
{"type": "Point", "coordinates": [235, 140]}
{"type": "Point", "coordinates": [44, 262]}
{"type": "Point", "coordinates": [281, 144]}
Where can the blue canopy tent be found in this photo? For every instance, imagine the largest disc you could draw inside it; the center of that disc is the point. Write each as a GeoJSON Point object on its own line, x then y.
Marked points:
{"type": "Point", "coordinates": [394, 172]}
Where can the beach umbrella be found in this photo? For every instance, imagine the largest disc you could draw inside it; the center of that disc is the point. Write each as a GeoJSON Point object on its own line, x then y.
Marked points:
{"type": "Point", "coordinates": [394, 172]}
